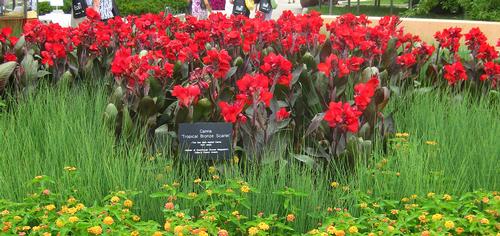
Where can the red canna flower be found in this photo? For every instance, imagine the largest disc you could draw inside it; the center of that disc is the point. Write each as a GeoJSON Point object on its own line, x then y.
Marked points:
{"type": "Point", "coordinates": [406, 60]}
{"type": "Point", "coordinates": [354, 63]}
{"type": "Point", "coordinates": [13, 40]}
{"type": "Point", "coordinates": [491, 72]}
{"type": "Point", "coordinates": [364, 93]}
{"type": "Point", "coordinates": [449, 38]}
{"type": "Point", "coordinates": [217, 63]}
{"type": "Point", "coordinates": [277, 66]}
{"type": "Point", "coordinates": [455, 72]}
{"type": "Point", "coordinates": [282, 114]}
{"type": "Point", "coordinates": [9, 57]}
{"type": "Point", "coordinates": [335, 65]}
{"type": "Point", "coordinates": [92, 14]}
{"type": "Point", "coordinates": [5, 33]}
{"type": "Point", "coordinates": [256, 87]}
{"type": "Point", "coordinates": [231, 112]}
{"type": "Point", "coordinates": [474, 39]}
{"type": "Point", "coordinates": [121, 62]}
{"type": "Point", "coordinates": [342, 116]}
{"type": "Point", "coordinates": [186, 95]}
{"type": "Point", "coordinates": [47, 58]}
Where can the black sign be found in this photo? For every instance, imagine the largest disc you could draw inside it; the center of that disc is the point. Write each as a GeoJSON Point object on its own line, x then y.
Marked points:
{"type": "Point", "coordinates": [206, 140]}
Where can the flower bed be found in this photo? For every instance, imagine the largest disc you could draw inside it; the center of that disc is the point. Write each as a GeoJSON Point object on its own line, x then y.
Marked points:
{"type": "Point", "coordinates": [266, 77]}
{"type": "Point", "coordinates": [221, 211]}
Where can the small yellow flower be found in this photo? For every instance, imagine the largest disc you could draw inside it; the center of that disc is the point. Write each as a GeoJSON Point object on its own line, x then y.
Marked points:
{"type": "Point", "coordinates": [71, 200]}
{"type": "Point", "coordinates": [363, 205]}
{"type": "Point", "coordinates": [26, 228]}
{"type": "Point", "coordinates": [394, 211]}
{"type": "Point", "coordinates": [108, 220]}
{"type": "Point", "coordinates": [235, 213]}
{"type": "Point", "coordinates": [390, 228]}
{"type": "Point", "coordinates": [253, 231]}
{"type": "Point", "coordinates": [422, 218]}
{"type": "Point", "coordinates": [314, 232]}
{"type": "Point", "coordinates": [157, 233]}
{"type": "Point", "coordinates": [339, 233]}
{"type": "Point", "coordinates": [353, 229]}
{"type": "Point", "coordinates": [180, 215]}
{"type": "Point", "coordinates": [79, 206]}
{"type": "Point", "coordinates": [46, 234]}
{"type": "Point", "coordinates": [470, 218]}
{"type": "Point", "coordinates": [73, 219]}
{"type": "Point", "coordinates": [72, 210]}
{"type": "Point", "coordinates": [229, 190]}
{"type": "Point", "coordinates": [245, 189]}
{"type": "Point", "coordinates": [167, 226]}
{"type": "Point", "coordinates": [134, 233]}
{"type": "Point", "coordinates": [431, 195]}
{"type": "Point", "coordinates": [405, 199]}
{"type": "Point", "coordinates": [192, 195]}
{"type": "Point", "coordinates": [95, 230]}
{"type": "Point", "coordinates": [176, 184]}
{"type": "Point", "coordinates": [169, 206]}
{"type": "Point", "coordinates": [70, 168]}
{"type": "Point", "coordinates": [236, 160]}
{"type": "Point", "coordinates": [425, 233]}
{"type": "Point", "coordinates": [447, 197]}
{"type": "Point", "coordinates": [209, 192]}
{"type": "Point", "coordinates": [59, 223]}
{"type": "Point", "coordinates": [136, 218]}
{"type": "Point", "coordinates": [128, 203]}
{"type": "Point", "coordinates": [222, 232]}
{"type": "Point", "coordinates": [484, 221]}
{"type": "Point", "coordinates": [330, 229]}
{"type": "Point", "coordinates": [413, 196]}
{"type": "Point", "coordinates": [197, 181]}
{"type": "Point", "coordinates": [402, 135]}
{"type": "Point", "coordinates": [449, 224]}
{"type": "Point", "coordinates": [334, 184]}
{"type": "Point", "coordinates": [215, 177]}
{"type": "Point", "coordinates": [212, 169]}
{"type": "Point", "coordinates": [5, 212]}
{"type": "Point", "coordinates": [202, 233]}
{"type": "Point", "coordinates": [290, 218]}
{"type": "Point", "coordinates": [17, 218]}
{"type": "Point", "coordinates": [178, 229]}
{"type": "Point", "coordinates": [432, 143]}
{"type": "Point", "coordinates": [485, 200]}
{"type": "Point", "coordinates": [50, 207]}
{"type": "Point", "coordinates": [115, 199]}
{"type": "Point", "coordinates": [39, 177]}
{"type": "Point", "coordinates": [263, 226]}
{"type": "Point", "coordinates": [437, 217]}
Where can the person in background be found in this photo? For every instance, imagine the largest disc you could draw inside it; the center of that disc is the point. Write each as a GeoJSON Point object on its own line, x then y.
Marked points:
{"type": "Point", "coordinates": [199, 8]}
{"type": "Point", "coordinates": [265, 7]}
{"type": "Point", "coordinates": [218, 5]}
{"type": "Point", "coordinates": [240, 8]}
{"type": "Point", "coordinates": [76, 21]}
{"type": "Point", "coordinates": [106, 8]}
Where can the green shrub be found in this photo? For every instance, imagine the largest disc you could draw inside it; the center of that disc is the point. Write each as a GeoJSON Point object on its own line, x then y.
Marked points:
{"type": "Point", "coordinates": [472, 9]}
{"type": "Point", "coordinates": [45, 8]}
{"type": "Point", "coordinates": [136, 7]}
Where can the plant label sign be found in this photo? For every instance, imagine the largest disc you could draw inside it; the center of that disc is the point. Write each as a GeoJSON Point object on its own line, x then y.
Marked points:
{"type": "Point", "coordinates": [206, 140]}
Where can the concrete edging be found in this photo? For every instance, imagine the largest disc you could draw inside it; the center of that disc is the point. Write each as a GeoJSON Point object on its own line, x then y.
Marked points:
{"type": "Point", "coordinates": [426, 28]}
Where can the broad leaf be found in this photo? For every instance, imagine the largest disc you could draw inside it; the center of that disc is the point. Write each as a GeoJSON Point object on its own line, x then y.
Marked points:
{"type": "Point", "coordinates": [315, 123]}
